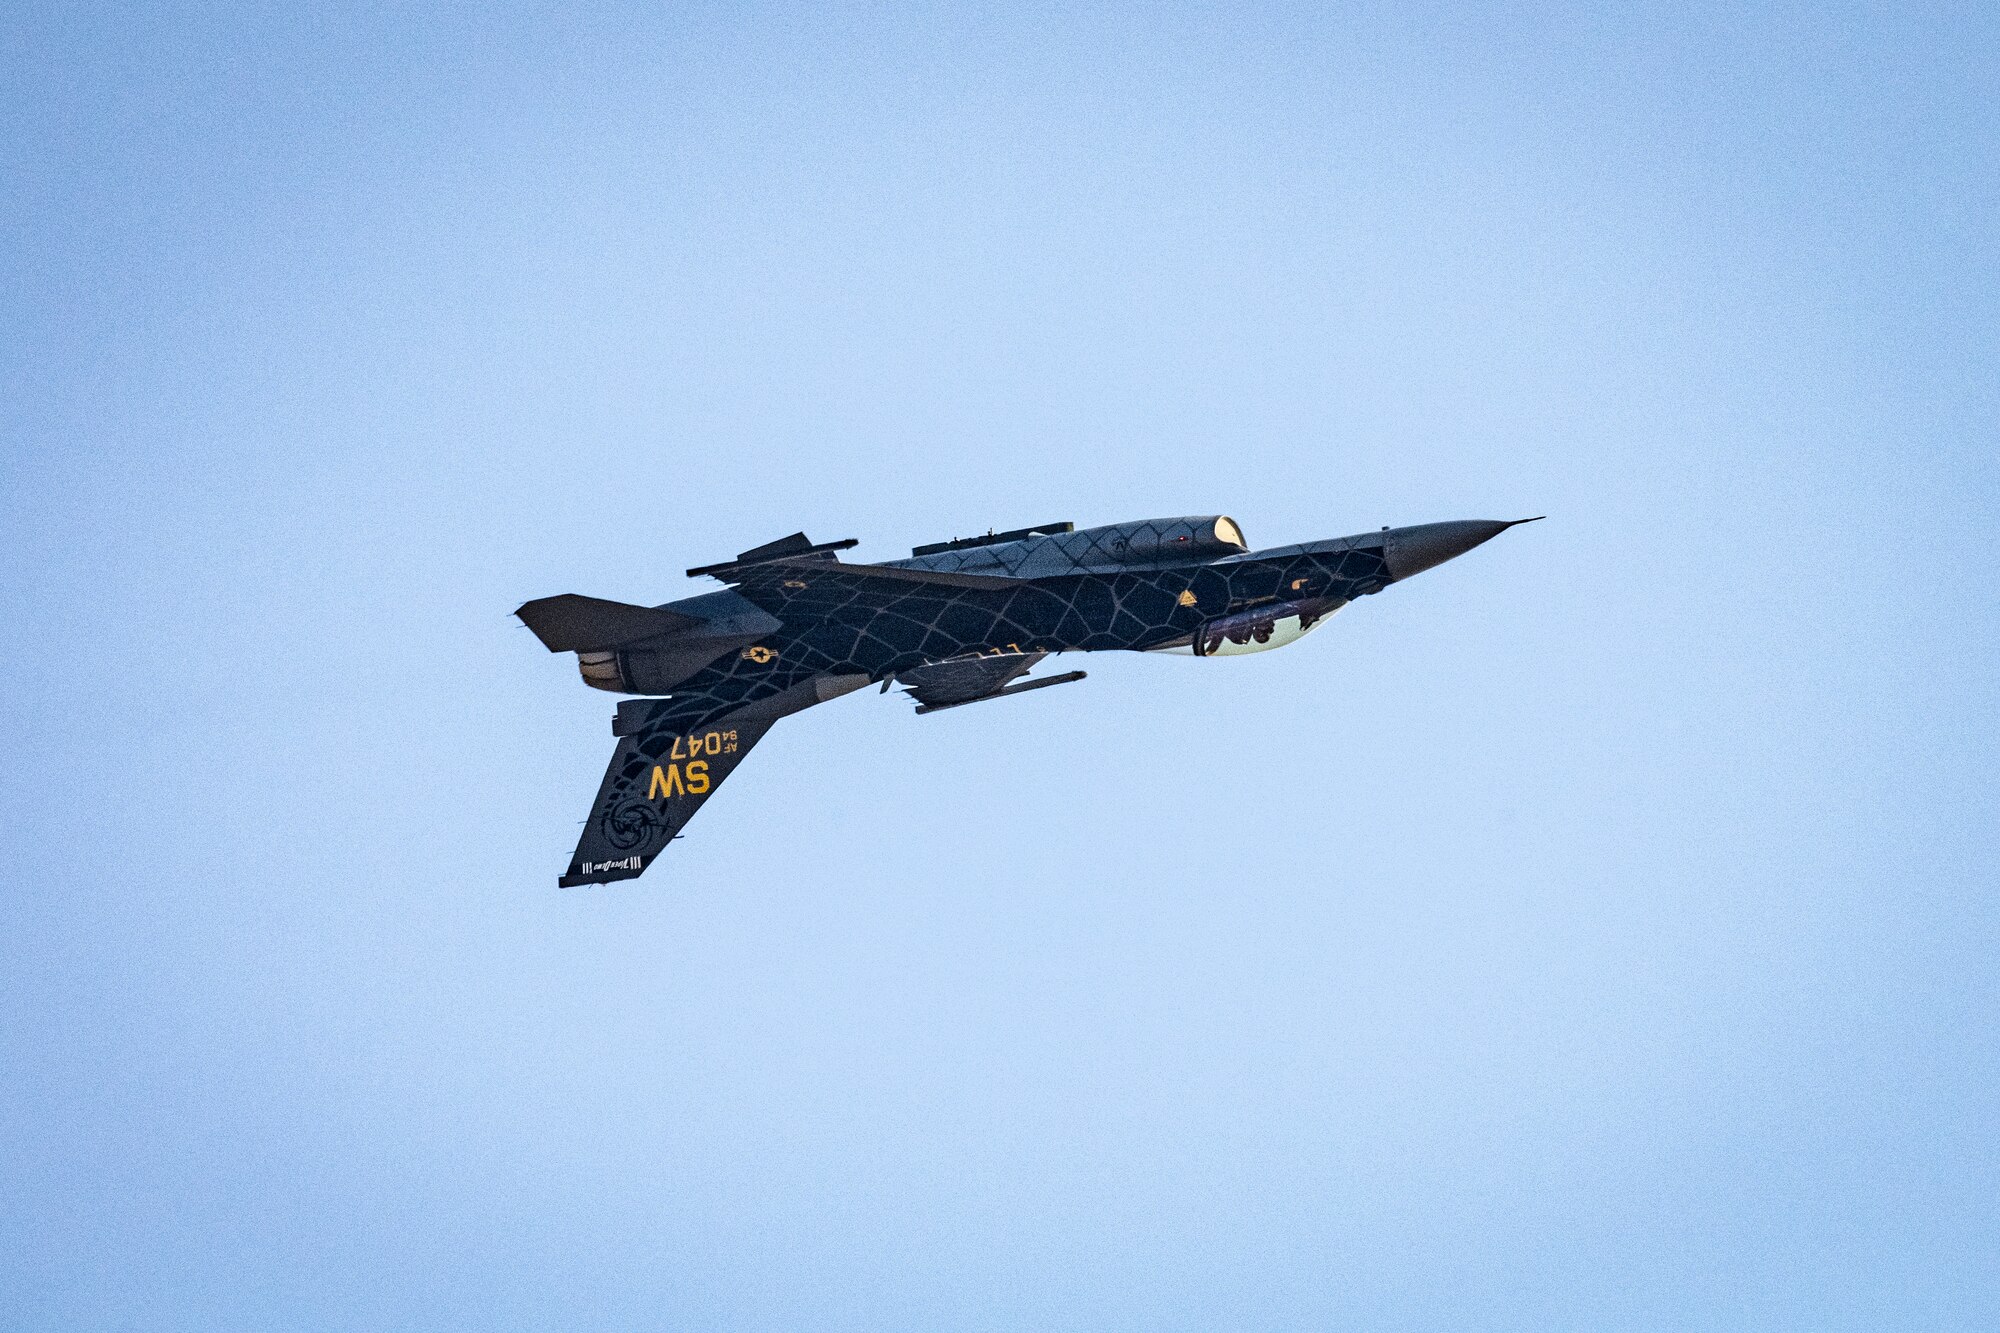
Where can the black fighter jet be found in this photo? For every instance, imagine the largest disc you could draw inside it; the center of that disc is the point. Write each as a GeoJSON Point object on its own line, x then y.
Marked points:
{"type": "Point", "coordinates": [959, 622]}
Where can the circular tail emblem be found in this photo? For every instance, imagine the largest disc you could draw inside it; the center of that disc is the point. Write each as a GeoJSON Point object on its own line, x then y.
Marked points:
{"type": "Point", "coordinates": [632, 823]}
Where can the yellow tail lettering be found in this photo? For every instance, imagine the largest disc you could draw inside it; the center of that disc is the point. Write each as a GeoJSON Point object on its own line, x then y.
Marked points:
{"type": "Point", "coordinates": [698, 777]}
{"type": "Point", "coordinates": [667, 782]}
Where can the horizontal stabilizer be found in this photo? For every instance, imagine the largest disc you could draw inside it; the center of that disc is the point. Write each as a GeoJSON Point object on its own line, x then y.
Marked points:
{"type": "Point", "coordinates": [798, 546]}
{"type": "Point", "coordinates": [569, 623]}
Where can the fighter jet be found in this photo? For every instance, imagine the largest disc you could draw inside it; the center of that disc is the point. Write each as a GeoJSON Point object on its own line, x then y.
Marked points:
{"type": "Point", "coordinates": [959, 622]}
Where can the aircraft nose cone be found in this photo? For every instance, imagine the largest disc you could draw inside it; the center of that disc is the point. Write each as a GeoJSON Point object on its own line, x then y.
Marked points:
{"type": "Point", "coordinates": [1413, 550]}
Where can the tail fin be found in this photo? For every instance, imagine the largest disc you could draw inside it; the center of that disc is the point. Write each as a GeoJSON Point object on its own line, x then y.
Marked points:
{"type": "Point", "coordinates": [672, 754]}
{"type": "Point", "coordinates": [569, 623]}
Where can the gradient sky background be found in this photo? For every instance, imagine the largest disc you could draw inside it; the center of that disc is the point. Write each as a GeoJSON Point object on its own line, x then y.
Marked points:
{"type": "Point", "coordinates": [1596, 932]}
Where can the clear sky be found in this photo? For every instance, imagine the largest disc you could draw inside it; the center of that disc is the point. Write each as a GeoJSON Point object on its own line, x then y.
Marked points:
{"type": "Point", "coordinates": [1597, 932]}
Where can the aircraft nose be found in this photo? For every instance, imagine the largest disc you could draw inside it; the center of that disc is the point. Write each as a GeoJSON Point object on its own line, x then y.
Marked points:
{"type": "Point", "coordinates": [1413, 550]}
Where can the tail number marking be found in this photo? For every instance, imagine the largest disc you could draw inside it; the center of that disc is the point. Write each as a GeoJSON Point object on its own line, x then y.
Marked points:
{"type": "Point", "coordinates": [708, 743]}
{"type": "Point", "coordinates": [667, 780]}
{"type": "Point", "coordinates": [686, 774]}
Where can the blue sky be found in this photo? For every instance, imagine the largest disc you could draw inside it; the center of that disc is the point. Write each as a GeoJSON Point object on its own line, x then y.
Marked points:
{"type": "Point", "coordinates": [1595, 932]}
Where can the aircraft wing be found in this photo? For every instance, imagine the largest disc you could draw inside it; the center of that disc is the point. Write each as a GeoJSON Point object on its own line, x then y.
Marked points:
{"type": "Point", "coordinates": [797, 574]}
{"type": "Point", "coordinates": [960, 681]}
{"type": "Point", "coordinates": [971, 680]}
